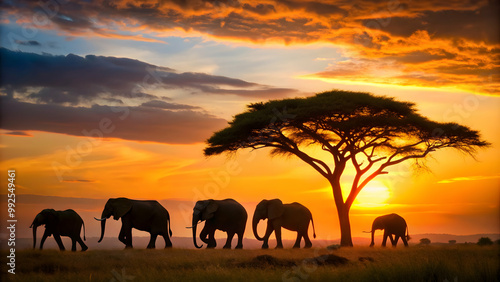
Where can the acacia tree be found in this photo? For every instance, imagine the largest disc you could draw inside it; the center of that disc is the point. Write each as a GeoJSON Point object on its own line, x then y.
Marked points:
{"type": "Point", "coordinates": [367, 132]}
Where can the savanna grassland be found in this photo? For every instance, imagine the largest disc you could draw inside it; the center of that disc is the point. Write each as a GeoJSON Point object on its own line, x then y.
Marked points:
{"type": "Point", "coordinates": [430, 263]}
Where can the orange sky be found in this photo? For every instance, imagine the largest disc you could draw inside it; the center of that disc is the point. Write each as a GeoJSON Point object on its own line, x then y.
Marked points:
{"type": "Point", "coordinates": [165, 77]}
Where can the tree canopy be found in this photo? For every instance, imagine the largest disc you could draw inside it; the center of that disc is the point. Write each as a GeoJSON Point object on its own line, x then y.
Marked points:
{"type": "Point", "coordinates": [366, 131]}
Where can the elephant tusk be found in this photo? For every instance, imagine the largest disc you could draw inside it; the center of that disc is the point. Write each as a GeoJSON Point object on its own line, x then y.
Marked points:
{"type": "Point", "coordinates": [190, 227]}
{"type": "Point", "coordinates": [99, 219]}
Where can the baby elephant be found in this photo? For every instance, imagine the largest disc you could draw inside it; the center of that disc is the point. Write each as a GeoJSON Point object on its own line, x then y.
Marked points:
{"type": "Point", "coordinates": [391, 224]}
{"type": "Point", "coordinates": [60, 223]}
{"type": "Point", "coordinates": [292, 216]}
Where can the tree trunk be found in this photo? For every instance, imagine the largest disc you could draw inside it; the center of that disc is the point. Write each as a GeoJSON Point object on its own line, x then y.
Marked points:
{"type": "Point", "coordinates": [342, 209]}
{"type": "Point", "coordinates": [345, 226]}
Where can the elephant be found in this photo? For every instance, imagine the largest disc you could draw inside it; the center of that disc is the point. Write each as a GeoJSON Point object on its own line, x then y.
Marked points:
{"type": "Point", "coordinates": [227, 215]}
{"type": "Point", "coordinates": [149, 216]}
{"type": "Point", "coordinates": [60, 223]}
{"type": "Point", "coordinates": [391, 224]}
{"type": "Point", "coordinates": [292, 216]}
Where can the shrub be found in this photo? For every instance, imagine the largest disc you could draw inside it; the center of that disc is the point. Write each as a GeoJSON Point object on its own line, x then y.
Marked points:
{"type": "Point", "coordinates": [425, 241]}
{"type": "Point", "coordinates": [484, 241]}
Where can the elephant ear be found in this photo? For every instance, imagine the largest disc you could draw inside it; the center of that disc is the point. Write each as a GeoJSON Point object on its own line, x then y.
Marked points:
{"type": "Point", "coordinates": [121, 206]}
{"type": "Point", "coordinates": [209, 210]}
{"type": "Point", "coordinates": [275, 208]}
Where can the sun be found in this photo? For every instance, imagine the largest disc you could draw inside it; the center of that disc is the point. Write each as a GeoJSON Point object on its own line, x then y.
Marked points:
{"type": "Point", "coordinates": [374, 195]}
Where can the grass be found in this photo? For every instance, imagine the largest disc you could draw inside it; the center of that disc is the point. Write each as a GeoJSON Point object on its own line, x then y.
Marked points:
{"type": "Point", "coordinates": [431, 263]}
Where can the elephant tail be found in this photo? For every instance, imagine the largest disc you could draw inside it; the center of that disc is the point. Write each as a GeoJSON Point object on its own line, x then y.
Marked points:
{"type": "Point", "coordinates": [407, 234]}
{"type": "Point", "coordinates": [314, 231]}
{"type": "Point", "coordinates": [168, 224]}
{"type": "Point", "coordinates": [83, 223]}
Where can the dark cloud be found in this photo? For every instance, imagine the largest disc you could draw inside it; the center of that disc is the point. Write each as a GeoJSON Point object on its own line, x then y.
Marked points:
{"type": "Point", "coordinates": [168, 106]}
{"type": "Point", "coordinates": [478, 24]}
{"type": "Point", "coordinates": [261, 9]}
{"type": "Point", "coordinates": [417, 57]}
{"type": "Point", "coordinates": [315, 7]}
{"type": "Point", "coordinates": [18, 133]}
{"type": "Point", "coordinates": [79, 181]}
{"type": "Point", "coordinates": [28, 42]}
{"type": "Point", "coordinates": [364, 29]}
{"type": "Point", "coordinates": [128, 123]}
{"type": "Point", "coordinates": [73, 79]}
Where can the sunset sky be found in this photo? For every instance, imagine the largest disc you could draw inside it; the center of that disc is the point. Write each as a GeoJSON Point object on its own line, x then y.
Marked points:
{"type": "Point", "coordinates": [103, 99]}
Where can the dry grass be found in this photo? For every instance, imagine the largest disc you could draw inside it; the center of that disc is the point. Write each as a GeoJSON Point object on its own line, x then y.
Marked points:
{"type": "Point", "coordinates": [433, 263]}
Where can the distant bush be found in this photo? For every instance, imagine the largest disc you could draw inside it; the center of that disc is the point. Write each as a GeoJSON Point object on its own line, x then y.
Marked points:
{"type": "Point", "coordinates": [452, 242]}
{"type": "Point", "coordinates": [484, 241]}
{"type": "Point", "coordinates": [425, 241]}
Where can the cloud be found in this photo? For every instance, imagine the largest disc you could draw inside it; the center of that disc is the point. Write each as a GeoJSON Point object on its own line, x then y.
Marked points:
{"type": "Point", "coordinates": [167, 106]}
{"type": "Point", "coordinates": [73, 95]}
{"type": "Point", "coordinates": [469, 178]}
{"type": "Point", "coordinates": [28, 42]}
{"type": "Point", "coordinates": [73, 80]}
{"type": "Point", "coordinates": [17, 133]}
{"type": "Point", "coordinates": [415, 36]}
{"type": "Point", "coordinates": [79, 181]}
{"type": "Point", "coordinates": [138, 123]}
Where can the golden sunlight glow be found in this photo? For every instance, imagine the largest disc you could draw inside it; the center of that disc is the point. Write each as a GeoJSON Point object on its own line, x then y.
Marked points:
{"type": "Point", "coordinates": [374, 195]}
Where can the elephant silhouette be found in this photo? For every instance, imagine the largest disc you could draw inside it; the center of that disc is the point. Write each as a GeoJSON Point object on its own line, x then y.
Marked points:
{"type": "Point", "coordinates": [392, 224]}
{"type": "Point", "coordinates": [292, 216]}
{"type": "Point", "coordinates": [149, 216]}
{"type": "Point", "coordinates": [60, 223]}
{"type": "Point", "coordinates": [227, 215]}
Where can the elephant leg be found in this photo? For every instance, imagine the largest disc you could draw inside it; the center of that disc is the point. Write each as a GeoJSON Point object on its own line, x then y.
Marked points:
{"type": "Point", "coordinates": [269, 231]}
{"type": "Point", "coordinates": [403, 238]}
{"type": "Point", "coordinates": [59, 242]}
{"type": "Point", "coordinates": [128, 238]}
{"type": "Point", "coordinates": [211, 240]}
{"type": "Point", "coordinates": [44, 237]}
{"type": "Point", "coordinates": [204, 235]}
{"type": "Point", "coordinates": [168, 243]}
{"type": "Point", "coordinates": [307, 240]}
{"type": "Point", "coordinates": [230, 236]}
{"type": "Point", "coordinates": [277, 233]}
{"type": "Point", "coordinates": [240, 240]}
{"type": "Point", "coordinates": [73, 244]}
{"type": "Point", "coordinates": [121, 236]}
{"type": "Point", "coordinates": [395, 242]}
{"type": "Point", "coordinates": [297, 241]}
{"type": "Point", "coordinates": [152, 241]}
{"type": "Point", "coordinates": [125, 237]}
{"type": "Point", "coordinates": [392, 239]}
{"type": "Point", "coordinates": [384, 241]}
{"type": "Point", "coordinates": [82, 244]}
{"type": "Point", "coordinates": [208, 237]}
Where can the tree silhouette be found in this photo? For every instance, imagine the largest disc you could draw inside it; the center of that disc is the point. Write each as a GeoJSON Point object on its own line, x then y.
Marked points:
{"type": "Point", "coordinates": [368, 132]}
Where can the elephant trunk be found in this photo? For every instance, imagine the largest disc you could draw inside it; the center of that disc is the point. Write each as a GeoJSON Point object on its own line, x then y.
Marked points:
{"type": "Point", "coordinates": [255, 221]}
{"type": "Point", "coordinates": [34, 226]}
{"type": "Point", "coordinates": [373, 242]}
{"type": "Point", "coordinates": [103, 227]}
{"type": "Point", "coordinates": [195, 223]}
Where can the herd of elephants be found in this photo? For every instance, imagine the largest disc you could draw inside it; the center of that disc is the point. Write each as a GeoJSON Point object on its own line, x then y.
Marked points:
{"type": "Point", "coordinates": [226, 215]}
